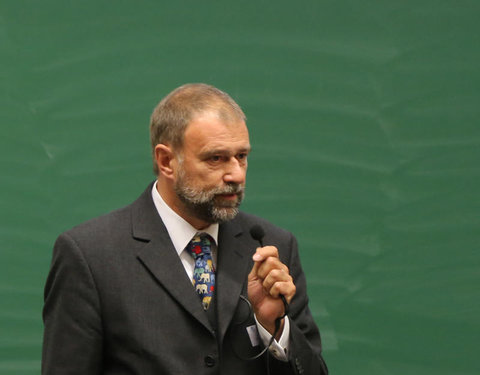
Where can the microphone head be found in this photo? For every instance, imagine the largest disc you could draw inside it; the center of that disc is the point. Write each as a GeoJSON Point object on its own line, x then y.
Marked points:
{"type": "Point", "coordinates": [257, 232]}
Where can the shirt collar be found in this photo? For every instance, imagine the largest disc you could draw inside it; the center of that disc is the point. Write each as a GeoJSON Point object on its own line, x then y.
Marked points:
{"type": "Point", "coordinates": [179, 230]}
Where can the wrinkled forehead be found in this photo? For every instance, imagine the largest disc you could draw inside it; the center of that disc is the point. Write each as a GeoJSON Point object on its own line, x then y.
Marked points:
{"type": "Point", "coordinates": [210, 130]}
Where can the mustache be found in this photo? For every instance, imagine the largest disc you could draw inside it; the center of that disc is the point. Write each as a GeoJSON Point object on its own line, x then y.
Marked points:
{"type": "Point", "coordinates": [228, 189]}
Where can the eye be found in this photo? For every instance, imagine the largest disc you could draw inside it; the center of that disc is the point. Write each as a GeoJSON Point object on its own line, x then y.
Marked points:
{"type": "Point", "coordinates": [215, 158]}
{"type": "Point", "coordinates": [242, 156]}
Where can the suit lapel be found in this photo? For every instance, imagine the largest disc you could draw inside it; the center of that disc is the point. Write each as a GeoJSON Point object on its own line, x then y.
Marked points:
{"type": "Point", "coordinates": [234, 262]}
{"type": "Point", "coordinates": [159, 257]}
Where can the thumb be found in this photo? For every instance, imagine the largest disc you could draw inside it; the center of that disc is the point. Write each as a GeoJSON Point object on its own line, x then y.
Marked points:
{"type": "Point", "coordinates": [257, 260]}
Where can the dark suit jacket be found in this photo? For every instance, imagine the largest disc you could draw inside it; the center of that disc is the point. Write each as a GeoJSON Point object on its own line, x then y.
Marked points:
{"type": "Point", "coordinates": [118, 301]}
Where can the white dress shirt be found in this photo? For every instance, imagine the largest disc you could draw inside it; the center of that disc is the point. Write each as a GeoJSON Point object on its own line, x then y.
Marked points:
{"type": "Point", "coordinates": [181, 233]}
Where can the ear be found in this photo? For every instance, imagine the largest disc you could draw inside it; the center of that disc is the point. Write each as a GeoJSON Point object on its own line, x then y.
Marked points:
{"type": "Point", "coordinates": [165, 159]}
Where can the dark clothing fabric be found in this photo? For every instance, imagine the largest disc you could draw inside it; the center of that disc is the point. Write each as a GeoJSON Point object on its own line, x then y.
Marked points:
{"type": "Point", "coordinates": [118, 301]}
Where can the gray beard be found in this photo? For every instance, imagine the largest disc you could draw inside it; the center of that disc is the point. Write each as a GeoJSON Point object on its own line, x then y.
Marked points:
{"type": "Point", "coordinates": [203, 204]}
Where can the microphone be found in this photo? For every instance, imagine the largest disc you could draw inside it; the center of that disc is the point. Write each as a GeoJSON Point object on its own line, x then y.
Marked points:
{"type": "Point", "coordinates": [257, 233]}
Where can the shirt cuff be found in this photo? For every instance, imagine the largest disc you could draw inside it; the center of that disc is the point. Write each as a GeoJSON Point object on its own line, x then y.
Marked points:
{"type": "Point", "coordinates": [279, 349]}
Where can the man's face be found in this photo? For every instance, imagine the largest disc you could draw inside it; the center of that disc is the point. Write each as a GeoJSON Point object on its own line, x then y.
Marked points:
{"type": "Point", "coordinates": [211, 174]}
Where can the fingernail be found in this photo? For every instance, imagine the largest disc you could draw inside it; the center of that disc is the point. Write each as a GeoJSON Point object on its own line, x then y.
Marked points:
{"type": "Point", "coordinates": [257, 257]}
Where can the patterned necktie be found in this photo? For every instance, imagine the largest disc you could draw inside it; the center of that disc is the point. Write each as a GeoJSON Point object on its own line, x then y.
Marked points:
{"type": "Point", "coordinates": [204, 271]}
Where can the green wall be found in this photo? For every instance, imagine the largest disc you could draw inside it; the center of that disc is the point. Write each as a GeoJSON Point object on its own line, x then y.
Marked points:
{"type": "Point", "coordinates": [364, 122]}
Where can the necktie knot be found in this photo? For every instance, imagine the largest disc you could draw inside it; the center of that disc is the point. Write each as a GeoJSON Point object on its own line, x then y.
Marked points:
{"type": "Point", "coordinates": [200, 245]}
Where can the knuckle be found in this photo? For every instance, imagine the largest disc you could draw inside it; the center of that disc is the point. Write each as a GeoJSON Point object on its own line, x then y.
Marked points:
{"type": "Point", "coordinates": [271, 261]}
{"type": "Point", "coordinates": [276, 273]}
{"type": "Point", "coordinates": [272, 250]}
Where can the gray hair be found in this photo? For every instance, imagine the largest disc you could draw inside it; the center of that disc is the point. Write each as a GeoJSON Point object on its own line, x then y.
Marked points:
{"type": "Point", "coordinates": [171, 116]}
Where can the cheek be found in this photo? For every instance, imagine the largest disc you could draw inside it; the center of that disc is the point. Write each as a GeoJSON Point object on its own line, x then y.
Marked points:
{"type": "Point", "coordinates": [204, 176]}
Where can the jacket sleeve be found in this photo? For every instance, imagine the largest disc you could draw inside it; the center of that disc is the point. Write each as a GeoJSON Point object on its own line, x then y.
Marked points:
{"type": "Point", "coordinates": [72, 340]}
{"type": "Point", "coordinates": [305, 345]}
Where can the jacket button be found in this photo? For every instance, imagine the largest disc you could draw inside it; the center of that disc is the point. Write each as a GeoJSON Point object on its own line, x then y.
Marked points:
{"type": "Point", "coordinates": [209, 361]}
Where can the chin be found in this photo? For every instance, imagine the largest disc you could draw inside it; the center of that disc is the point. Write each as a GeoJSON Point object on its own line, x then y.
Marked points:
{"type": "Point", "coordinates": [222, 214]}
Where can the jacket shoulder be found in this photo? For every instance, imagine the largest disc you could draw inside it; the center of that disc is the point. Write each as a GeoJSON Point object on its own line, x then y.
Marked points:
{"type": "Point", "coordinates": [113, 226]}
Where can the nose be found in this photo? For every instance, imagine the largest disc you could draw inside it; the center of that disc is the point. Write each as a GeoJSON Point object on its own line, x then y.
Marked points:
{"type": "Point", "coordinates": [235, 172]}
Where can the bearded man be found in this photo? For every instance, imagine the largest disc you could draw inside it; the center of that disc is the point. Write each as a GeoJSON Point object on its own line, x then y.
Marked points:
{"type": "Point", "coordinates": [176, 282]}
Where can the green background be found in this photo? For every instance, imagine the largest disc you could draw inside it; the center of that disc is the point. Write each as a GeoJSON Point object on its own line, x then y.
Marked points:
{"type": "Point", "coordinates": [364, 122]}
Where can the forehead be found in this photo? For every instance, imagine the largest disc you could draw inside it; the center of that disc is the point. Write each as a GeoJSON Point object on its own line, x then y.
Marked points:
{"type": "Point", "coordinates": [209, 131]}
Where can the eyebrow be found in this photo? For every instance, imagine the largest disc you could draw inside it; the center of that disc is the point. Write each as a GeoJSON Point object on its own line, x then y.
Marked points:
{"type": "Point", "coordinates": [222, 151]}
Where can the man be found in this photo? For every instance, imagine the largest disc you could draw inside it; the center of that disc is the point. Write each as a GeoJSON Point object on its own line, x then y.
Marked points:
{"type": "Point", "coordinates": [175, 283]}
